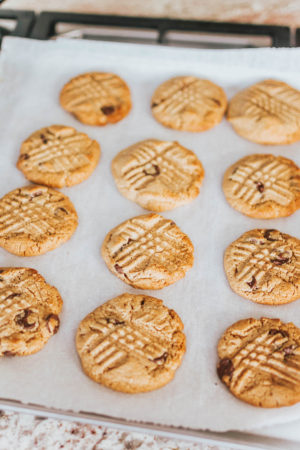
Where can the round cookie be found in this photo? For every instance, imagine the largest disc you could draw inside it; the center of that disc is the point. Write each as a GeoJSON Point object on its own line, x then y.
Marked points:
{"type": "Point", "coordinates": [267, 113]}
{"type": "Point", "coordinates": [148, 252]}
{"type": "Point", "coordinates": [35, 220]}
{"type": "Point", "coordinates": [132, 343]}
{"type": "Point", "coordinates": [29, 309]}
{"type": "Point", "coordinates": [260, 362]}
{"type": "Point", "coordinates": [264, 266]}
{"type": "Point", "coordinates": [263, 186]}
{"type": "Point", "coordinates": [188, 104]}
{"type": "Point", "coordinates": [96, 98]}
{"type": "Point", "coordinates": [158, 175]}
{"type": "Point", "coordinates": [58, 156]}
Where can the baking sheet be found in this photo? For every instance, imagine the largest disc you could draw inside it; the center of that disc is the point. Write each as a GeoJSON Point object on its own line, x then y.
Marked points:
{"type": "Point", "coordinates": [32, 74]}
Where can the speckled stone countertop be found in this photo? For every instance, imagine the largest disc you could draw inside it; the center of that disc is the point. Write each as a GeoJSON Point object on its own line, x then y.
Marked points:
{"type": "Point", "coordinates": [25, 432]}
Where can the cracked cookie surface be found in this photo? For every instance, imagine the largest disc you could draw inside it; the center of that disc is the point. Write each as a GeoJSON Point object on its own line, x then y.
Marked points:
{"type": "Point", "coordinates": [35, 220]}
{"type": "Point", "coordinates": [148, 252]}
{"type": "Point", "coordinates": [29, 309]}
{"type": "Point", "coordinates": [96, 98]}
{"type": "Point", "coordinates": [264, 266]}
{"type": "Point", "coordinates": [58, 156]}
{"type": "Point", "coordinates": [260, 362]}
{"type": "Point", "coordinates": [263, 186]}
{"type": "Point", "coordinates": [132, 343]}
{"type": "Point", "coordinates": [188, 103]}
{"type": "Point", "coordinates": [158, 175]}
{"type": "Point", "coordinates": [267, 113]}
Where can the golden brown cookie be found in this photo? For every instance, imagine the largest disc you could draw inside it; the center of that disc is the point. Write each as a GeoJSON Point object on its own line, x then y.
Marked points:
{"type": "Point", "coordinates": [263, 186]}
{"type": "Point", "coordinates": [264, 266]}
{"type": "Point", "coordinates": [267, 113]}
{"type": "Point", "coordinates": [35, 220]}
{"type": "Point", "coordinates": [188, 104]}
{"type": "Point", "coordinates": [260, 362]}
{"type": "Point", "coordinates": [29, 309]}
{"type": "Point", "coordinates": [96, 98]}
{"type": "Point", "coordinates": [58, 156]}
{"type": "Point", "coordinates": [132, 343]}
{"type": "Point", "coordinates": [158, 175]}
{"type": "Point", "coordinates": [148, 252]}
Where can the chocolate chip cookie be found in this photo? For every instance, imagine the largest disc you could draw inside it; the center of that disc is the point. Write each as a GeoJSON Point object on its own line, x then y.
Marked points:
{"type": "Point", "coordinates": [267, 112]}
{"type": "Point", "coordinates": [264, 266]}
{"type": "Point", "coordinates": [35, 220]}
{"type": "Point", "coordinates": [132, 343]}
{"type": "Point", "coordinates": [158, 175]}
{"type": "Point", "coordinates": [96, 98]}
{"type": "Point", "coordinates": [29, 309]}
{"type": "Point", "coordinates": [148, 252]}
{"type": "Point", "coordinates": [260, 362]}
{"type": "Point", "coordinates": [58, 156]}
{"type": "Point", "coordinates": [263, 186]}
{"type": "Point", "coordinates": [188, 104]}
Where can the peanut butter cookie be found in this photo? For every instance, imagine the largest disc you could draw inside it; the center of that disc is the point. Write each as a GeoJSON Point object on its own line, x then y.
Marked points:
{"type": "Point", "coordinates": [58, 156]}
{"type": "Point", "coordinates": [148, 252]}
{"type": "Point", "coordinates": [267, 113]}
{"type": "Point", "coordinates": [132, 343]}
{"type": "Point", "coordinates": [189, 104]}
{"type": "Point", "coordinates": [158, 175]}
{"type": "Point", "coordinates": [29, 309]}
{"type": "Point", "coordinates": [260, 362]}
{"type": "Point", "coordinates": [96, 98]}
{"type": "Point", "coordinates": [263, 186]}
{"type": "Point", "coordinates": [35, 220]}
{"type": "Point", "coordinates": [264, 266]}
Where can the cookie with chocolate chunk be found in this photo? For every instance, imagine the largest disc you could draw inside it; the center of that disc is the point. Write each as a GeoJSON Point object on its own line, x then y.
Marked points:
{"type": "Point", "coordinates": [96, 98]}
{"type": "Point", "coordinates": [260, 362]}
{"type": "Point", "coordinates": [58, 156]}
{"type": "Point", "coordinates": [158, 175]}
{"type": "Point", "coordinates": [35, 219]}
{"type": "Point", "coordinates": [29, 309]}
{"type": "Point", "coordinates": [263, 186]}
{"type": "Point", "coordinates": [148, 252]}
{"type": "Point", "coordinates": [188, 103]}
{"type": "Point", "coordinates": [264, 266]}
{"type": "Point", "coordinates": [132, 343]}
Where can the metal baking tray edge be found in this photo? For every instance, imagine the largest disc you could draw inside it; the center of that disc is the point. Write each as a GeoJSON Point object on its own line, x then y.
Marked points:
{"type": "Point", "coordinates": [232, 439]}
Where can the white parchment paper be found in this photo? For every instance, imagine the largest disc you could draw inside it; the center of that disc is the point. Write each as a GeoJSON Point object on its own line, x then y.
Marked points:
{"type": "Point", "coordinates": [32, 74]}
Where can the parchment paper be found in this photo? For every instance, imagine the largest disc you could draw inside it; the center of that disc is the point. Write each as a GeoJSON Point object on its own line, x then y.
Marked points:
{"type": "Point", "coordinates": [32, 74]}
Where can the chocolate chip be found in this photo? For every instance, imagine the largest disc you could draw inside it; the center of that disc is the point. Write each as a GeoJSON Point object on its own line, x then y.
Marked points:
{"type": "Point", "coordinates": [279, 261]}
{"type": "Point", "coordinates": [154, 105]}
{"type": "Point", "coordinates": [24, 156]}
{"type": "Point", "coordinates": [118, 268]}
{"type": "Point", "coordinates": [36, 194]}
{"type": "Point", "coordinates": [53, 323]}
{"type": "Point", "coordinates": [252, 283]}
{"type": "Point", "coordinates": [143, 302]}
{"type": "Point", "coordinates": [21, 319]}
{"type": "Point", "coordinates": [273, 331]}
{"type": "Point", "coordinates": [161, 359]}
{"type": "Point", "coordinates": [45, 141]}
{"type": "Point", "coordinates": [154, 171]}
{"type": "Point", "coordinates": [107, 110]}
{"type": "Point", "coordinates": [9, 353]}
{"type": "Point", "coordinates": [60, 212]}
{"type": "Point", "coordinates": [267, 235]}
{"type": "Point", "coordinates": [225, 367]}
{"type": "Point", "coordinates": [260, 186]}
